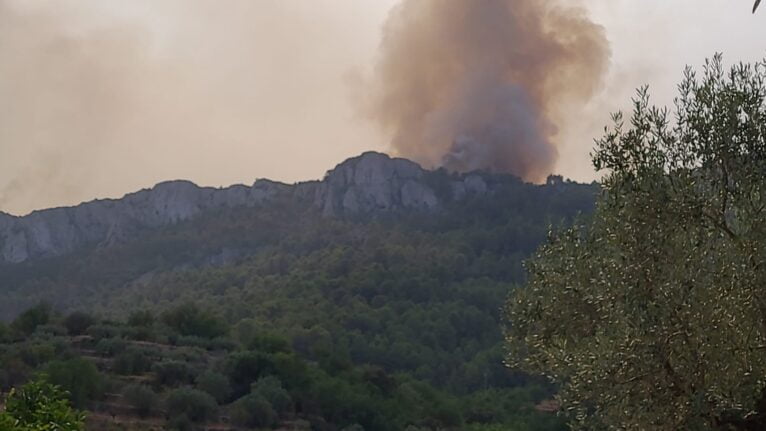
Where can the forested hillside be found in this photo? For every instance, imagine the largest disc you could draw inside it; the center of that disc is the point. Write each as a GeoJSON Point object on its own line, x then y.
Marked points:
{"type": "Point", "coordinates": [413, 297]}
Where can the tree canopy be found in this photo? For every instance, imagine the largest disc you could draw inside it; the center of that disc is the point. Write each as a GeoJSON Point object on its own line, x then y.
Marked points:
{"type": "Point", "coordinates": [39, 406]}
{"type": "Point", "coordinates": [651, 315]}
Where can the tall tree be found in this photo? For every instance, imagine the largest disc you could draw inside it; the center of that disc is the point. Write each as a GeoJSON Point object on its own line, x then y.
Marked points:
{"type": "Point", "coordinates": [651, 315]}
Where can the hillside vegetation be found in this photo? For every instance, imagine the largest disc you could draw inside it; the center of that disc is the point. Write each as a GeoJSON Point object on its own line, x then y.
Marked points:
{"type": "Point", "coordinates": [380, 322]}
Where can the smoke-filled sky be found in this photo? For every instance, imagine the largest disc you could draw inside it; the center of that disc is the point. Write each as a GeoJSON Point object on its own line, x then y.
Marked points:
{"type": "Point", "coordinates": [103, 97]}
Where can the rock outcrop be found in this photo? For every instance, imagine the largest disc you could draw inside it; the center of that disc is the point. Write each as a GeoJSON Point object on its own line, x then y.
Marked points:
{"type": "Point", "coordinates": [367, 184]}
{"type": "Point", "coordinates": [103, 222]}
{"type": "Point", "coordinates": [373, 182]}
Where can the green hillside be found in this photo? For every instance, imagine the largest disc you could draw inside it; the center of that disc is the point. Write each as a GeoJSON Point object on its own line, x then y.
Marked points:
{"type": "Point", "coordinates": [380, 322]}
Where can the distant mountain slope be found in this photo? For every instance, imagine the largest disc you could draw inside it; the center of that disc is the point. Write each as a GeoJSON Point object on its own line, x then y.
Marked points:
{"type": "Point", "coordinates": [99, 253]}
{"type": "Point", "coordinates": [372, 182]}
{"type": "Point", "coordinates": [380, 264]}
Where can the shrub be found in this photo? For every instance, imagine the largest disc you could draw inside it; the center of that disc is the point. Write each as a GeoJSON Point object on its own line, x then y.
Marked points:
{"type": "Point", "coordinates": [37, 353]}
{"type": "Point", "coordinates": [189, 319]}
{"type": "Point", "coordinates": [196, 405]}
{"type": "Point", "coordinates": [29, 320]}
{"type": "Point", "coordinates": [77, 376]}
{"type": "Point", "coordinates": [131, 361]}
{"type": "Point", "coordinates": [111, 346]}
{"type": "Point", "coordinates": [78, 322]}
{"type": "Point", "coordinates": [268, 343]}
{"type": "Point", "coordinates": [105, 330]}
{"type": "Point", "coordinates": [141, 318]}
{"type": "Point", "coordinates": [172, 373]}
{"type": "Point", "coordinates": [215, 384]}
{"type": "Point", "coordinates": [253, 411]}
{"type": "Point", "coordinates": [51, 330]}
{"type": "Point", "coordinates": [13, 372]}
{"type": "Point", "coordinates": [270, 388]}
{"type": "Point", "coordinates": [5, 333]}
{"type": "Point", "coordinates": [142, 398]}
{"type": "Point", "coordinates": [244, 368]}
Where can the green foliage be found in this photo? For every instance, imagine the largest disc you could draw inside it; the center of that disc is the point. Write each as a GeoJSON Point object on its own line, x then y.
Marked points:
{"type": "Point", "coordinates": [141, 318]}
{"type": "Point", "coordinates": [268, 343]}
{"type": "Point", "coordinates": [196, 405]}
{"type": "Point", "coordinates": [270, 389]}
{"type": "Point", "coordinates": [244, 368]}
{"type": "Point", "coordinates": [189, 319]}
{"type": "Point", "coordinates": [131, 361]}
{"type": "Point", "coordinates": [651, 316]}
{"type": "Point", "coordinates": [78, 322]}
{"type": "Point", "coordinates": [111, 346]}
{"type": "Point", "coordinates": [381, 323]}
{"type": "Point", "coordinates": [215, 384]}
{"type": "Point", "coordinates": [40, 406]}
{"type": "Point", "coordinates": [78, 377]}
{"type": "Point", "coordinates": [5, 333]}
{"type": "Point", "coordinates": [29, 320]}
{"type": "Point", "coordinates": [172, 373]}
{"type": "Point", "coordinates": [37, 352]}
{"type": "Point", "coordinates": [142, 398]}
{"type": "Point", "coordinates": [253, 411]}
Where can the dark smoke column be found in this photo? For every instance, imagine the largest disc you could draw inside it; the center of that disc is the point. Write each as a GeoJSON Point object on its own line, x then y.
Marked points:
{"type": "Point", "coordinates": [473, 84]}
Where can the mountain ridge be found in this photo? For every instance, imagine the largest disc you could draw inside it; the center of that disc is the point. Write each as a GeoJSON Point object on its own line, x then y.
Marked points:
{"type": "Point", "coordinates": [369, 183]}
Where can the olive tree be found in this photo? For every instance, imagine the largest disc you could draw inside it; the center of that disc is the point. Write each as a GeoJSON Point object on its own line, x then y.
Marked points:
{"type": "Point", "coordinates": [39, 406]}
{"type": "Point", "coordinates": [651, 315]}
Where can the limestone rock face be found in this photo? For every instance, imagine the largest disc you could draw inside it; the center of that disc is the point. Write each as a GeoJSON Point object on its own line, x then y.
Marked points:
{"type": "Point", "coordinates": [106, 222]}
{"type": "Point", "coordinates": [373, 182]}
{"type": "Point", "coordinates": [364, 185]}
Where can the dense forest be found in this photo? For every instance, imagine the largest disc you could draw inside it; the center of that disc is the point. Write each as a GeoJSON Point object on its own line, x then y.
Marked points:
{"type": "Point", "coordinates": [270, 316]}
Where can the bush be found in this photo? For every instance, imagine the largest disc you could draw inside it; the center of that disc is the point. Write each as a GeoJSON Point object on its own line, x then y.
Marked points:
{"type": "Point", "coordinates": [196, 405]}
{"type": "Point", "coordinates": [51, 330]}
{"type": "Point", "coordinates": [5, 333]}
{"type": "Point", "coordinates": [29, 320]}
{"type": "Point", "coordinates": [215, 384]}
{"type": "Point", "coordinates": [244, 368]}
{"type": "Point", "coordinates": [253, 411]}
{"type": "Point", "coordinates": [78, 322]}
{"type": "Point", "coordinates": [13, 372]}
{"type": "Point", "coordinates": [172, 373]}
{"type": "Point", "coordinates": [142, 398]}
{"type": "Point", "coordinates": [77, 376]}
{"type": "Point", "coordinates": [268, 343]}
{"type": "Point", "coordinates": [190, 320]}
{"type": "Point", "coordinates": [111, 346]}
{"type": "Point", "coordinates": [131, 361]}
{"type": "Point", "coordinates": [141, 318]}
{"type": "Point", "coordinates": [270, 388]}
{"type": "Point", "coordinates": [105, 330]}
{"type": "Point", "coordinates": [37, 353]}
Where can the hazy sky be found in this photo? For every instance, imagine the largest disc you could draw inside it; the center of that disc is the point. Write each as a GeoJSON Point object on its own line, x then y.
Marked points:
{"type": "Point", "coordinates": [103, 97]}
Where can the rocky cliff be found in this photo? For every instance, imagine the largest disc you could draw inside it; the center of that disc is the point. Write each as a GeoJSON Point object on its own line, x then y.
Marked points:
{"type": "Point", "coordinates": [369, 183]}
{"type": "Point", "coordinates": [373, 182]}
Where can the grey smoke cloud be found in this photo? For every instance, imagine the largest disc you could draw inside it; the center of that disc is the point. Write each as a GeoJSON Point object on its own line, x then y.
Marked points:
{"type": "Point", "coordinates": [480, 84]}
{"type": "Point", "coordinates": [102, 97]}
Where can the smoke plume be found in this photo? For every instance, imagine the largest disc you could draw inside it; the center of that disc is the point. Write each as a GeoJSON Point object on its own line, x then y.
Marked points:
{"type": "Point", "coordinates": [480, 84]}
